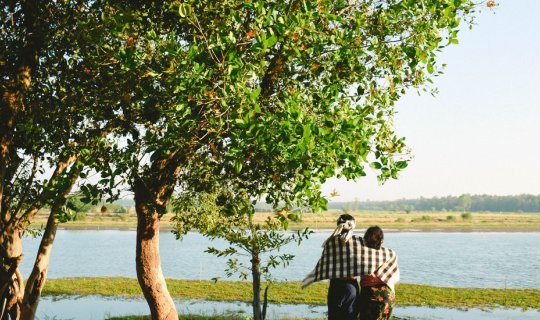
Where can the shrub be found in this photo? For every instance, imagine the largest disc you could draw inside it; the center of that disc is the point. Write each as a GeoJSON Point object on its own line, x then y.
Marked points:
{"type": "Point", "coordinates": [466, 216]}
{"type": "Point", "coordinates": [450, 218]}
{"type": "Point", "coordinates": [79, 216]}
{"type": "Point", "coordinates": [423, 219]}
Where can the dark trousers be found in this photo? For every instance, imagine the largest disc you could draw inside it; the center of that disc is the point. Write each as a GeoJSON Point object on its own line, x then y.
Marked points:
{"type": "Point", "coordinates": [376, 303]}
{"type": "Point", "coordinates": [343, 300]}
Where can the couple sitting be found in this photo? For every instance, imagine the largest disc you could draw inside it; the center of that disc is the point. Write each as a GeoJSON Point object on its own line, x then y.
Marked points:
{"type": "Point", "coordinates": [345, 257]}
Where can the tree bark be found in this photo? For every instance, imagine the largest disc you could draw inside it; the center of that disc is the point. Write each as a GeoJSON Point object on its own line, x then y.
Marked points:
{"type": "Point", "coordinates": [256, 273]}
{"type": "Point", "coordinates": [147, 258]}
{"type": "Point", "coordinates": [36, 280]}
{"type": "Point", "coordinates": [11, 281]}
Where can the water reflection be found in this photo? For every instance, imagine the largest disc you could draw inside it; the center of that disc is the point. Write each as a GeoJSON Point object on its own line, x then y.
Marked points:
{"type": "Point", "coordinates": [97, 307]}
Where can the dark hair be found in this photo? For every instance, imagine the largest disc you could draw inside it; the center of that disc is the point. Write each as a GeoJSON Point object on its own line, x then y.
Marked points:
{"type": "Point", "coordinates": [343, 218]}
{"type": "Point", "coordinates": [374, 237]}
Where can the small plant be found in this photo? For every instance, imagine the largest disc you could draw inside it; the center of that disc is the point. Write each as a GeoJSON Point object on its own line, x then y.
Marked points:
{"type": "Point", "coordinates": [229, 216]}
{"type": "Point", "coordinates": [450, 218]}
{"type": "Point", "coordinates": [466, 216]}
{"type": "Point", "coordinates": [79, 216]}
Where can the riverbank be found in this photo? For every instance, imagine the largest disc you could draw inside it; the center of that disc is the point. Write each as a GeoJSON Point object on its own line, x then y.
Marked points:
{"type": "Point", "coordinates": [291, 293]}
{"type": "Point", "coordinates": [389, 220]}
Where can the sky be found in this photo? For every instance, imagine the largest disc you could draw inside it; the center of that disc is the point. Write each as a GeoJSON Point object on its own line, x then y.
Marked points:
{"type": "Point", "coordinates": [481, 133]}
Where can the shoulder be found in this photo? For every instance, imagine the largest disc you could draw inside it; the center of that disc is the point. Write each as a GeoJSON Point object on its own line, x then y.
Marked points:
{"type": "Point", "coordinates": [358, 239]}
{"type": "Point", "coordinates": [389, 251]}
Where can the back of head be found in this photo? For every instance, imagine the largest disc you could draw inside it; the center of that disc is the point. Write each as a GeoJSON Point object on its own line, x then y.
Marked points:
{"type": "Point", "coordinates": [344, 230]}
{"type": "Point", "coordinates": [374, 237]}
{"type": "Point", "coordinates": [344, 218]}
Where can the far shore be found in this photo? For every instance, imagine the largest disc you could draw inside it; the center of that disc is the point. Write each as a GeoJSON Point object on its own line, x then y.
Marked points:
{"type": "Point", "coordinates": [391, 221]}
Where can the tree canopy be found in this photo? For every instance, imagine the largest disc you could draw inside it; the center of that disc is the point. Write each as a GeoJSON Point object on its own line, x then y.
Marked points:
{"type": "Point", "coordinates": [266, 98]}
{"type": "Point", "coordinates": [275, 96]}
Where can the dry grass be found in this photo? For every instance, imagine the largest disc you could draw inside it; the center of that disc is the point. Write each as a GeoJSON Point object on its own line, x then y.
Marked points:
{"type": "Point", "coordinates": [424, 221]}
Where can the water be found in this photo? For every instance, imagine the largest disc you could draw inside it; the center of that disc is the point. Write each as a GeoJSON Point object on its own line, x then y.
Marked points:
{"type": "Point", "coordinates": [96, 307]}
{"type": "Point", "coordinates": [495, 260]}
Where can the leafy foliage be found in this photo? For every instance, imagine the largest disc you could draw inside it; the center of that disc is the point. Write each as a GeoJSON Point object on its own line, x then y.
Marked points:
{"type": "Point", "coordinates": [213, 216]}
{"type": "Point", "coordinates": [262, 241]}
{"type": "Point", "coordinates": [271, 97]}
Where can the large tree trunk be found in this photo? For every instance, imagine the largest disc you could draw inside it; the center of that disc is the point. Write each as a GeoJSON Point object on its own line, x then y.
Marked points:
{"type": "Point", "coordinates": [36, 280]}
{"type": "Point", "coordinates": [147, 259]}
{"type": "Point", "coordinates": [11, 281]}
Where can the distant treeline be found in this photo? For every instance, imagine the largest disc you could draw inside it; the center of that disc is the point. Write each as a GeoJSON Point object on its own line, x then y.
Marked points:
{"type": "Point", "coordinates": [465, 202]}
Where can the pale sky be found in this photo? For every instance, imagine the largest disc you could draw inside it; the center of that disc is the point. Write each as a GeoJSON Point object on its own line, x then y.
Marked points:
{"type": "Point", "coordinates": [481, 133]}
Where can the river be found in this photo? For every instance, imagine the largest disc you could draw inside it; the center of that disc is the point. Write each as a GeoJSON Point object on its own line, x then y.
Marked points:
{"type": "Point", "coordinates": [477, 259]}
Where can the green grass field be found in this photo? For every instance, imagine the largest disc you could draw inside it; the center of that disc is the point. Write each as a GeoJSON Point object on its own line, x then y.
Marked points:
{"type": "Point", "coordinates": [423, 221]}
{"type": "Point", "coordinates": [290, 292]}
{"type": "Point", "coordinates": [182, 317]}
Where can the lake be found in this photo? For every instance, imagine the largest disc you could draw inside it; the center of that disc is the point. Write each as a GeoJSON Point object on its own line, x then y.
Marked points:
{"type": "Point", "coordinates": [96, 307]}
{"type": "Point", "coordinates": [457, 259]}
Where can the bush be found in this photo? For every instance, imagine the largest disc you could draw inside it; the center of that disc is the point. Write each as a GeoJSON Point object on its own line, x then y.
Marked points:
{"type": "Point", "coordinates": [466, 216]}
{"type": "Point", "coordinates": [423, 219]}
{"type": "Point", "coordinates": [450, 218]}
{"type": "Point", "coordinates": [115, 208]}
{"type": "Point", "coordinates": [79, 216]}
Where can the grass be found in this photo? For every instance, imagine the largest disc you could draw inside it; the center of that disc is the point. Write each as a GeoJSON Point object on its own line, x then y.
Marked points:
{"type": "Point", "coordinates": [485, 221]}
{"type": "Point", "coordinates": [182, 317]}
{"type": "Point", "coordinates": [198, 317]}
{"type": "Point", "coordinates": [290, 292]}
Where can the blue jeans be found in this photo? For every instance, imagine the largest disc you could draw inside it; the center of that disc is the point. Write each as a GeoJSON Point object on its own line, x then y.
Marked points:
{"type": "Point", "coordinates": [343, 299]}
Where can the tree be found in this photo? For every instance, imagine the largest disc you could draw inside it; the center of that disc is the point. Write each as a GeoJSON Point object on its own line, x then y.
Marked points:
{"type": "Point", "coordinates": [27, 27]}
{"type": "Point", "coordinates": [270, 97]}
{"type": "Point", "coordinates": [464, 202]}
{"type": "Point", "coordinates": [50, 123]}
{"type": "Point", "coordinates": [234, 222]}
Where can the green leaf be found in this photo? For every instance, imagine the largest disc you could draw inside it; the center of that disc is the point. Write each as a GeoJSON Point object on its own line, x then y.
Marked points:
{"type": "Point", "coordinates": [375, 165]}
{"type": "Point", "coordinates": [184, 10]}
{"type": "Point", "coordinates": [255, 94]}
{"type": "Point", "coordinates": [270, 42]}
{"type": "Point", "coordinates": [401, 164]}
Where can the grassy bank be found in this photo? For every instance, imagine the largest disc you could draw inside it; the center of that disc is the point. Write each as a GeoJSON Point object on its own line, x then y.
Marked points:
{"type": "Point", "coordinates": [290, 292]}
{"type": "Point", "coordinates": [198, 317]}
{"type": "Point", "coordinates": [182, 317]}
{"type": "Point", "coordinates": [423, 221]}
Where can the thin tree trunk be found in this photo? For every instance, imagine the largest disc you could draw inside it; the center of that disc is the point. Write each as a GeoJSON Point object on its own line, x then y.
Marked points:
{"type": "Point", "coordinates": [36, 280]}
{"type": "Point", "coordinates": [265, 301]}
{"type": "Point", "coordinates": [148, 262]}
{"type": "Point", "coordinates": [256, 273]}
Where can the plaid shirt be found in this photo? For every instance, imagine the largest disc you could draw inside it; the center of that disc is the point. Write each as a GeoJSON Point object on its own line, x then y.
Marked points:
{"type": "Point", "coordinates": [353, 258]}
